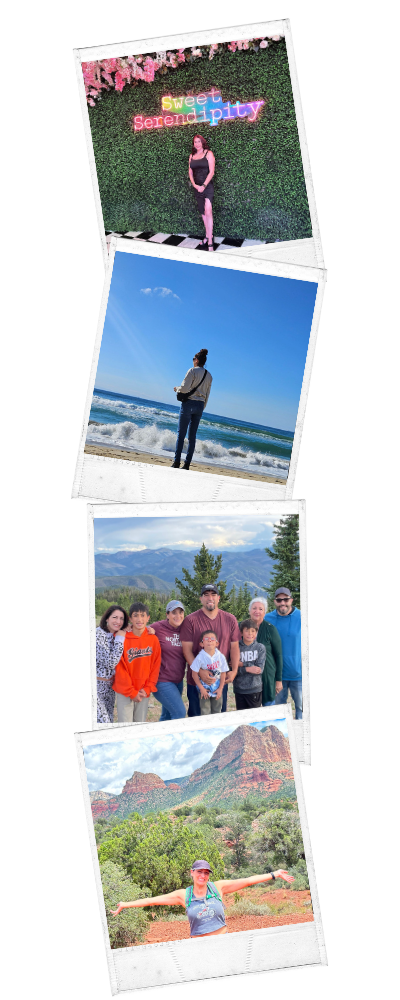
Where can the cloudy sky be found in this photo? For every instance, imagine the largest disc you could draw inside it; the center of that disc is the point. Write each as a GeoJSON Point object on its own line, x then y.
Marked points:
{"type": "Point", "coordinates": [236, 532]}
{"type": "Point", "coordinates": [172, 755]}
{"type": "Point", "coordinates": [255, 326]}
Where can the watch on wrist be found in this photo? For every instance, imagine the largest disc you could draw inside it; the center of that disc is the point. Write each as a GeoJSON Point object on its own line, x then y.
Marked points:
{"type": "Point", "coordinates": [273, 877]}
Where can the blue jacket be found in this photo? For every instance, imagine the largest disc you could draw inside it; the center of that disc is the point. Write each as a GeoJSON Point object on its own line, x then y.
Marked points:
{"type": "Point", "coordinates": [289, 628]}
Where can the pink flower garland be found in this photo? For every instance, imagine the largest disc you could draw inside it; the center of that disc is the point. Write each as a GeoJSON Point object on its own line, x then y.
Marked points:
{"type": "Point", "coordinates": [115, 73]}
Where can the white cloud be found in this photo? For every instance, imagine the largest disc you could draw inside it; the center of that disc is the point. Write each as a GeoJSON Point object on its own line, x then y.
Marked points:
{"type": "Point", "coordinates": [160, 291]}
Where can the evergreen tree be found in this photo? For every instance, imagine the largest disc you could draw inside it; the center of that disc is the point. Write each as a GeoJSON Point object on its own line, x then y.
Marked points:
{"type": "Point", "coordinates": [286, 555]}
{"type": "Point", "coordinates": [206, 569]}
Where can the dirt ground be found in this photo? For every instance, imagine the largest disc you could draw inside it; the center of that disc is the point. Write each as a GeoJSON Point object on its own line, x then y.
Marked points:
{"type": "Point", "coordinates": [154, 711]}
{"type": "Point", "coordinates": [293, 904]}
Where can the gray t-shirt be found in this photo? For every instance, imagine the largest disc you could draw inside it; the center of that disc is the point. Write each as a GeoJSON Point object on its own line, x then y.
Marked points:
{"type": "Point", "coordinates": [250, 656]}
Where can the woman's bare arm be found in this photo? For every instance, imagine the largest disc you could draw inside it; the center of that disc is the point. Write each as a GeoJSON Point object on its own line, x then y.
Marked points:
{"type": "Point", "coordinates": [191, 178]}
{"type": "Point", "coordinates": [211, 169]}
{"type": "Point", "coordinates": [175, 898]}
{"type": "Point", "coordinates": [234, 884]}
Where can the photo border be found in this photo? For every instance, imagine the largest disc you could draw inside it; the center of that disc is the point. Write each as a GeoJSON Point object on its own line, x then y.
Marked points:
{"type": "Point", "coordinates": [301, 727]}
{"type": "Point", "coordinates": [91, 480]}
{"type": "Point", "coordinates": [238, 953]}
{"type": "Point", "coordinates": [312, 247]}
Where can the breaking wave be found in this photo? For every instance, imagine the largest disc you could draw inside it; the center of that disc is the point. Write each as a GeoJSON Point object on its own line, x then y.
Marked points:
{"type": "Point", "coordinates": [155, 440]}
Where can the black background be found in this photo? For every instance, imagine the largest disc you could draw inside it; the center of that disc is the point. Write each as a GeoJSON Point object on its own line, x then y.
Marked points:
{"type": "Point", "coordinates": [79, 285]}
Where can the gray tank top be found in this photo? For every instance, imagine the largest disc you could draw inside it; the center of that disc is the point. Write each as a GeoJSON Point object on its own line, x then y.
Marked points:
{"type": "Point", "coordinates": [206, 914]}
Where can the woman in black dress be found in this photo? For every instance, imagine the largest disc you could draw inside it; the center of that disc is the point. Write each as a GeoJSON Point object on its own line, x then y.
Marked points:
{"type": "Point", "coordinates": [201, 173]}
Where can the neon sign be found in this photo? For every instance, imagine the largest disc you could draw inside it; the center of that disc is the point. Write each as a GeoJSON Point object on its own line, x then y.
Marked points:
{"type": "Point", "coordinates": [193, 110]}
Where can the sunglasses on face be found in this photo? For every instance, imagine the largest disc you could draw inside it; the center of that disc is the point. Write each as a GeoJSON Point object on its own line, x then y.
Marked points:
{"type": "Point", "coordinates": [282, 600]}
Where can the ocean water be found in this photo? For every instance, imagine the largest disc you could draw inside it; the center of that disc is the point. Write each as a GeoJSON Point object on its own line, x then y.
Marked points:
{"type": "Point", "coordinates": [134, 424]}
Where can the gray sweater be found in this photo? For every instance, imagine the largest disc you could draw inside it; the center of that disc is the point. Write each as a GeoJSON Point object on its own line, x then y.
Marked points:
{"type": "Point", "coordinates": [193, 377]}
{"type": "Point", "coordinates": [250, 656]}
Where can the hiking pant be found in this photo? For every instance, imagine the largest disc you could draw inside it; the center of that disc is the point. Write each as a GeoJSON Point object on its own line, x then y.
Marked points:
{"type": "Point", "coordinates": [131, 711]}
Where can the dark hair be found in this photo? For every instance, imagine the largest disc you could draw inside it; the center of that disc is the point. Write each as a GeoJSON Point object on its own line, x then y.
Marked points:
{"type": "Point", "coordinates": [208, 631]}
{"type": "Point", "coordinates": [247, 623]}
{"type": "Point", "coordinates": [204, 143]}
{"type": "Point", "coordinates": [107, 614]}
{"type": "Point", "coordinates": [138, 606]}
{"type": "Point", "coordinates": [202, 356]}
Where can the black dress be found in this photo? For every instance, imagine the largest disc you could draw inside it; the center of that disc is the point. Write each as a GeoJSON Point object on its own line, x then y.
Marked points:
{"type": "Point", "coordinates": [200, 169]}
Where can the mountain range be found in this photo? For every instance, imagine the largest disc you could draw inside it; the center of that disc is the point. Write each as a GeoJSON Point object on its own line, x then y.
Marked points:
{"type": "Point", "coordinates": [156, 569]}
{"type": "Point", "coordinates": [247, 761]}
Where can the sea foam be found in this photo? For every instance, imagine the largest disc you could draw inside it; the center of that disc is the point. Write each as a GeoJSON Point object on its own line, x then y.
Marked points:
{"type": "Point", "coordinates": [155, 440]}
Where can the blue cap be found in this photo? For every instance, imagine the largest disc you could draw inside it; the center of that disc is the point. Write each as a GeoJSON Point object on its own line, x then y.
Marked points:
{"type": "Point", "coordinates": [200, 864]}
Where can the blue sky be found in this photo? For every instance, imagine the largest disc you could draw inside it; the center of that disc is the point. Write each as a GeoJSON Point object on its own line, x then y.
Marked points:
{"type": "Point", "coordinates": [170, 755]}
{"type": "Point", "coordinates": [234, 533]}
{"type": "Point", "coordinates": [256, 328]}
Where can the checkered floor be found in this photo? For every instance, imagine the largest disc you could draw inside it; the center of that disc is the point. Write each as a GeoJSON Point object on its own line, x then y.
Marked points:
{"type": "Point", "coordinates": [186, 240]}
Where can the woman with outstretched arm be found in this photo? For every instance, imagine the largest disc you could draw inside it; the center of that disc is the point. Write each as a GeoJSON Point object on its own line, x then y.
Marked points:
{"type": "Point", "coordinates": [203, 901]}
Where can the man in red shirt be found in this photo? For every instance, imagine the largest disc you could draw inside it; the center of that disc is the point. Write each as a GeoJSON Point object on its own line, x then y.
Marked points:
{"type": "Point", "coordinates": [136, 674]}
{"type": "Point", "coordinates": [228, 634]}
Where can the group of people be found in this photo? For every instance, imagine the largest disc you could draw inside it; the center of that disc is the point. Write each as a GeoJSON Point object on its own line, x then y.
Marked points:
{"type": "Point", "coordinates": [260, 657]}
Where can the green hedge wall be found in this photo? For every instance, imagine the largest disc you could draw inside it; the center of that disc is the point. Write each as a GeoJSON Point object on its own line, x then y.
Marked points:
{"type": "Point", "coordinates": [259, 183]}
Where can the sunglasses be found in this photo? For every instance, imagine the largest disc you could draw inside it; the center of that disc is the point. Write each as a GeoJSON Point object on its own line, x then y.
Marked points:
{"type": "Point", "coordinates": [282, 600]}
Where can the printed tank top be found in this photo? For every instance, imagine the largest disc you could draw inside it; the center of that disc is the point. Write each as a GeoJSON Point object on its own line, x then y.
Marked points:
{"type": "Point", "coordinates": [206, 914]}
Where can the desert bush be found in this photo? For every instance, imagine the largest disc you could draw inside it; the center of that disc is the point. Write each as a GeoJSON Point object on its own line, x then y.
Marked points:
{"type": "Point", "coordinates": [130, 926]}
{"type": "Point", "coordinates": [246, 908]}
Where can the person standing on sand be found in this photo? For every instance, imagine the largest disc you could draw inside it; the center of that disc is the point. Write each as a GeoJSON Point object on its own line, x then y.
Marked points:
{"type": "Point", "coordinates": [110, 638]}
{"type": "Point", "coordinates": [193, 395]}
{"type": "Point", "coordinates": [203, 901]}
{"type": "Point", "coordinates": [227, 631]}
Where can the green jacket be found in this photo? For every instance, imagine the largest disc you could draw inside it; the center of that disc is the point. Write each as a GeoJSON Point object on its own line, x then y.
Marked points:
{"type": "Point", "coordinates": [270, 638]}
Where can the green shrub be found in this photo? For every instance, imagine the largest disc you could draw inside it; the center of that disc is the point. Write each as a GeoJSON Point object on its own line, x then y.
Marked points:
{"type": "Point", "coordinates": [246, 908]}
{"type": "Point", "coordinates": [130, 926]}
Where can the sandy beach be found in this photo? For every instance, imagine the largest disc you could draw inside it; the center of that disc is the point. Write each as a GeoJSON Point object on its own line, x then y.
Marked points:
{"type": "Point", "coordinates": [139, 456]}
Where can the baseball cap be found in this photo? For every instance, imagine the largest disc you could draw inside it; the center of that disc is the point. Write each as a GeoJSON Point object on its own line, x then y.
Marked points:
{"type": "Point", "coordinates": [209, 586]}
{"type": "Point", "coordinates": [174, 604]}
{"type": "Point", "coordinates": [283, 590]}
{"type": "Point", "coordinates": [201, 864]}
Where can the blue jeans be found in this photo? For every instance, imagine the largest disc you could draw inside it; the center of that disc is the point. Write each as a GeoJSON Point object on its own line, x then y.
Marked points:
{"type": "Point", "coordinates": [266, 703]}
{"type": "Point", "coordinates": [169, 694]}
{"type": "Point", "coordinates": [194, 700]}
{"type": "Point", "coordinates": [189, 417]}
{"type": "Point", "coordinates": [224, 698]}
{"type": "Point", "coordinates": [296, 692]}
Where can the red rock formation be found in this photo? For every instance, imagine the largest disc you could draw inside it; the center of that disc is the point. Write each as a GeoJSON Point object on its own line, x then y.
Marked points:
{"type": "Point", "coordinates": [142, 783]}
{"type": "Point", "coordinates": [104, 808]}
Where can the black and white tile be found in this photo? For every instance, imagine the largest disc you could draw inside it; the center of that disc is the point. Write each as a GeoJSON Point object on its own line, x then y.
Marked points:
{"type": "Point", "coordinates": [185, 240]}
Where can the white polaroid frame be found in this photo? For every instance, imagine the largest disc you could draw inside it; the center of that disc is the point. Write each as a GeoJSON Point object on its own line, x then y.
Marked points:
{"type": "Point", "coordinates": [261, 950]}
{"type": "Point", "coordinates": [124, 481]}
{"type": "Point", "coordinates": [301, 727]}
{"type": "Point", "coordinates": [303, 251]}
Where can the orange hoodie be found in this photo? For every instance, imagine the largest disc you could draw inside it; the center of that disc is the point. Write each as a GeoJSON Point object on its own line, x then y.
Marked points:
{"type": "Point", "coordinates": [139, 665]}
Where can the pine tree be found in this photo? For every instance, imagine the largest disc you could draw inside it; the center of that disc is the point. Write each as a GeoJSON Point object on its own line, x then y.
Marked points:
{"type": "Point", "coordinates": [206, 570]}
{"type": "Point", "coordinates": [286, 555]}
